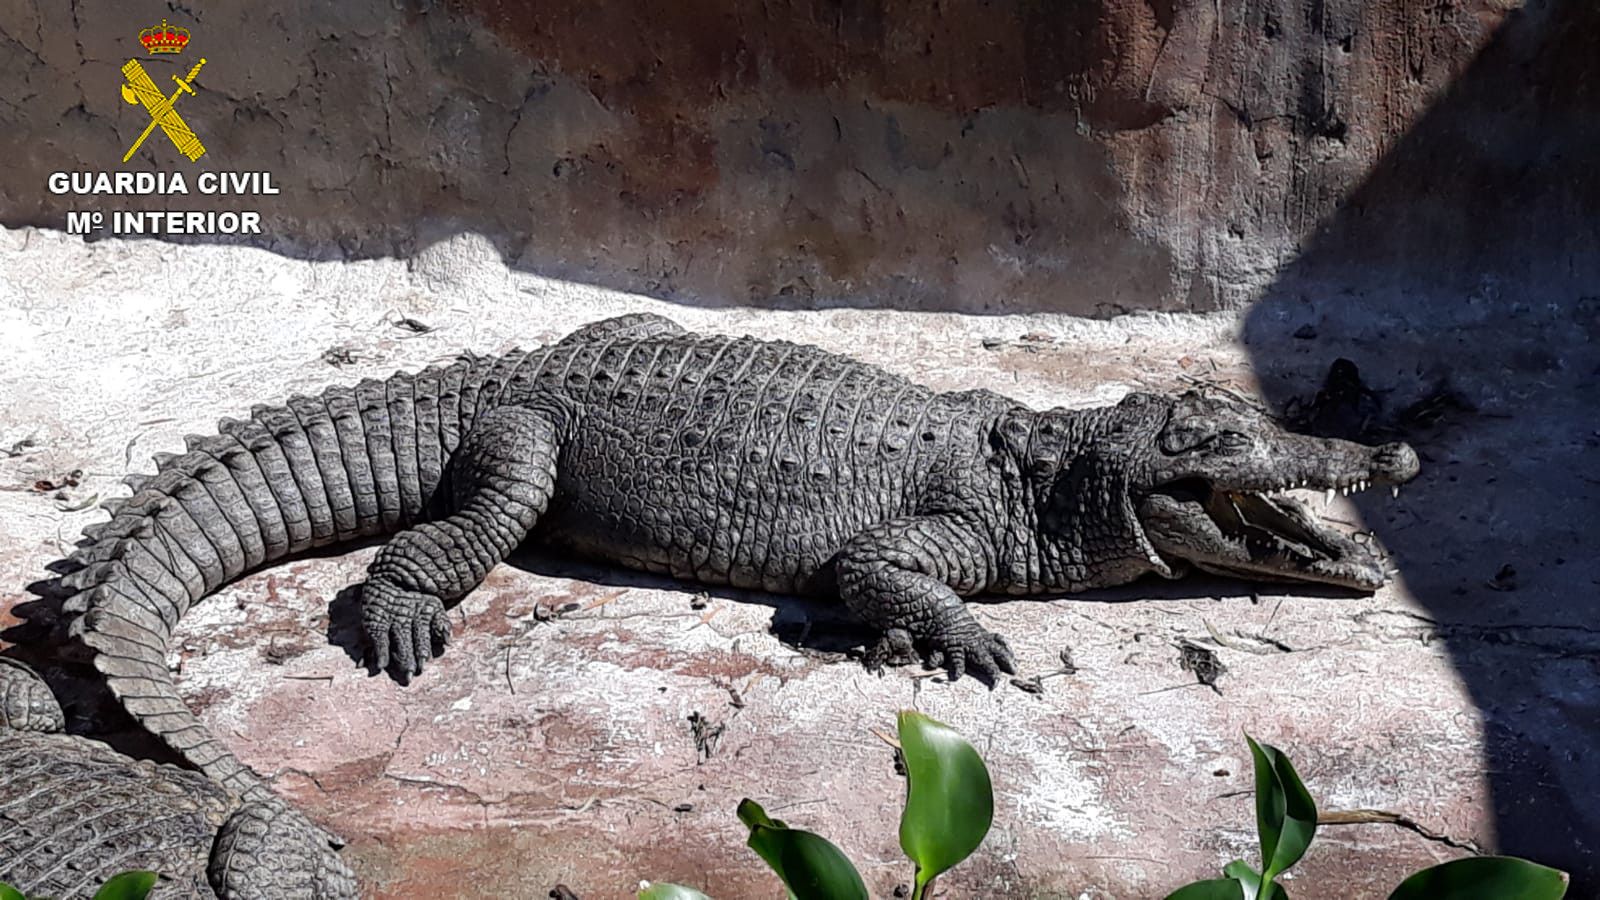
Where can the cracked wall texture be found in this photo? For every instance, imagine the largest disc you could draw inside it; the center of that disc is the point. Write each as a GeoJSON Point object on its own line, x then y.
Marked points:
{"type": "Point", "coordinates": [1087, 157]}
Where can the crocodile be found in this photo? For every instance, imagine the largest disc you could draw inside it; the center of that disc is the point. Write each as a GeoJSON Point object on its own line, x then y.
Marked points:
{"type": "Point", "coordinates": [719, 460]}
{"type": "Point", "coordinates": [76, 812]}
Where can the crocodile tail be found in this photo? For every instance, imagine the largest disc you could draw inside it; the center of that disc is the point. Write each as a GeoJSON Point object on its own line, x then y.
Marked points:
{"type": "Point", "coordinates": [350, 463]}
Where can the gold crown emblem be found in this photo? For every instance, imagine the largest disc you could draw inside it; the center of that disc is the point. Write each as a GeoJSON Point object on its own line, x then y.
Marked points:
{"type": "Point", "coordinates": [165, 38]}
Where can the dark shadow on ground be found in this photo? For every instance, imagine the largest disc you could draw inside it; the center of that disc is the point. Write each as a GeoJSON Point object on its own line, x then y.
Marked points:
{"type": "Point", "coordinates": [813, 625]}
{"type": "Point", "coordinates": [1491, 319]}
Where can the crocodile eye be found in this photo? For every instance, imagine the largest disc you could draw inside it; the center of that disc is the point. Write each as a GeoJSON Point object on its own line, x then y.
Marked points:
{"type": "Point", "coordinates": [1229, 443]}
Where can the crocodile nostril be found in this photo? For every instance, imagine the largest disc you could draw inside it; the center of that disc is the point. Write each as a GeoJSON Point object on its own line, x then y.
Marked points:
{"type": "Point", "coordinates": [1395, 463]}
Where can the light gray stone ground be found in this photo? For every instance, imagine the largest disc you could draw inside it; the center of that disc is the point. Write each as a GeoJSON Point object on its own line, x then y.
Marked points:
{"type": "Point", "coordinates": [540, 750]}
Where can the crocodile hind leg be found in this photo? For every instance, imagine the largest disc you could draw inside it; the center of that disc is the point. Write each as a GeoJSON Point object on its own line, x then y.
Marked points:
{"type": "Point", "coordinates": [266, 851]}
{"type": "Point", "coordinates": [906, 578]}
{"type": "Point", "coordinates": [26, 703]}
{"type": "Point", "coordinates": [501, 477]}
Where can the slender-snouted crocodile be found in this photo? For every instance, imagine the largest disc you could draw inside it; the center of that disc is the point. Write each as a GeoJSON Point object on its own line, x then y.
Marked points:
{"type": "Point", "coordinates": [74, 812]}
{"type": "Point", "coordinates": [713, 459]}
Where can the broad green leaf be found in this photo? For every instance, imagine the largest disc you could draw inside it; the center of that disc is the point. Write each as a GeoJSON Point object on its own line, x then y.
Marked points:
{"type": "Point", "coordinates": [949, 798]}
{"type": "Point", "coordinates": [1286, 816]}
{"type": "Point", "coordinates": [1500, 877]}
{"type": "Point", "coordinates": [1215, 889]}
{"type": "Point", "coordinates": [751, 814]}
{"type": "Point", "coordinates": [662, 891]}
{"type": "Point", "coordinates": [127, 886]}
{"type": "Point", "coordinates": [7, 892]}
{"type": "Point", "coordinates": [810, 866]}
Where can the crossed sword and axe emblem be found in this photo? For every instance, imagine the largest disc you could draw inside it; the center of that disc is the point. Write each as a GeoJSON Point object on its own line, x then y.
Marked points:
{"type": "Point", "coordinates": [163, 112]}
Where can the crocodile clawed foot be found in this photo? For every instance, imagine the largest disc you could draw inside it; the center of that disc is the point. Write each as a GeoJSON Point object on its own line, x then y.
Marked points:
{"type": "Point", "coordinates": [403, 628]}
{"type": "Point", "coordinates": [958, 651]}
{"type": "Point", "coordinates": [975, 649]}
{"type": "Point", "coordinates": [895, 648]}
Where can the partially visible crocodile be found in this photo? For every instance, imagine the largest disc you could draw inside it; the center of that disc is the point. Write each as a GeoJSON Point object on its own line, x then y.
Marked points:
{"type": "Point", "coordinates": [74, 812]}
{"type": "Point", "coordinates": [713, 459]}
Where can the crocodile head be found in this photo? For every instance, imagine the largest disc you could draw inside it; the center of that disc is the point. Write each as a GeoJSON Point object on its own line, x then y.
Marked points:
{"type": "Point", "coordinates": [1214, 495]}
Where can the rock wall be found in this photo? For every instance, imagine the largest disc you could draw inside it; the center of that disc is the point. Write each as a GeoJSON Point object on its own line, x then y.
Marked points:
{"type": "Point", "coordinates": [1086, 157]}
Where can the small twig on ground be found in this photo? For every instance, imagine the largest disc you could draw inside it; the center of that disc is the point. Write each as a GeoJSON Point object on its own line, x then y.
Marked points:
{"type": "Point", "coordinates": [602, 601]}
{"type": "Point", "coordinates": [1384, 817]}
{"type": "Point", "coordinates": [414, 326]}
{"type": "Point", "coordinates": [127, 449]}
{"type": "Point", "coordinates": [21, 447]}
{"type": "Point", "coordinates": [75, 507]}
{"type": "Point", "coordinates": [1218, 386]}
{"type": "Point", "coordinates": [1242, 643]}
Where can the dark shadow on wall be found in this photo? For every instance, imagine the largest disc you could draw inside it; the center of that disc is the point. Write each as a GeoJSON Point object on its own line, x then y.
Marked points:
{"type": "Point", "coordinates": [1482, 329]}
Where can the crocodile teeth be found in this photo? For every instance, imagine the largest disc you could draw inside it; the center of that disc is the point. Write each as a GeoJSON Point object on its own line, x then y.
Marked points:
{"type": "Point", "coordinates": [1394, 491]}
{"type": "Point", "coordinates": [1328, 498]}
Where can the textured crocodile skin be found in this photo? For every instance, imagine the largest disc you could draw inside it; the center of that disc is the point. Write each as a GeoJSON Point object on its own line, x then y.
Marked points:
{"type": "Point", "coordinates": [74, 812]}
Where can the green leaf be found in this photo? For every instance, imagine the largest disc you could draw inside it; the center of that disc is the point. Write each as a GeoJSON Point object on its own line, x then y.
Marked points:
{"type": "Point", "coordinates": [1249, 879]}
{"type": "Point", "coordinates": [7, 892]}
{"type": "Point", "coordinates": [127, 886]}
{"type": "Point", "coordinates": [1250, 882]}
{"type": "Point", "coordinates": [1215, 889]}
{"type": "Point", "coordinates": [751, 814]}
{"type": "Point", "coordinates": [1241, 870]}
{"type": "Point", "coordinates": [810, 866]}
{"type": "Point", "coordinates": [1500, 877]}
{"type": "Point", "coordinates": [663, 891]}
{"type": "Point", "coordinates": [1286, 816]}
{"type": "Point", "coordinates": [949, 800]}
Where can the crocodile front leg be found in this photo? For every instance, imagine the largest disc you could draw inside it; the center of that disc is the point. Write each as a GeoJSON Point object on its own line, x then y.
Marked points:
{"type": "Point", "coordinates": [502, 476]}
{"type": "Point", "coordinates": [906, 577]}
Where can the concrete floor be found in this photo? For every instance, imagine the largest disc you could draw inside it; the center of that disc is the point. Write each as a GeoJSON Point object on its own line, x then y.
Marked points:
{"type": "Point", "coordinates": [546, 749]}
